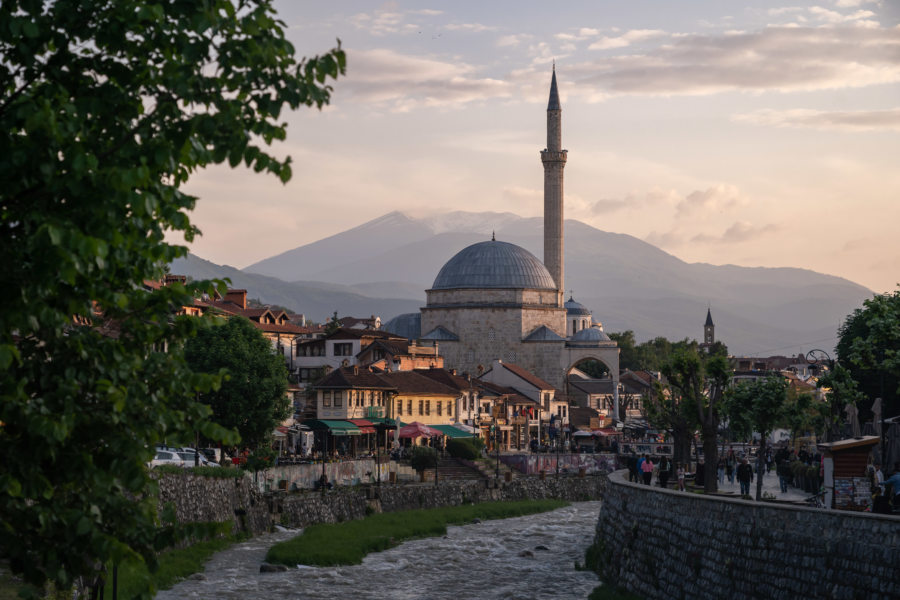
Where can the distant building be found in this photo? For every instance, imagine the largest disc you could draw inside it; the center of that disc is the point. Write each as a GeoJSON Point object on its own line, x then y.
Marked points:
{"type": "Point", "coordinates": [709, 332]}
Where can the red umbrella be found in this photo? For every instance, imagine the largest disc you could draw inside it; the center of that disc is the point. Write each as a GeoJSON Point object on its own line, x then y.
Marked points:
{"type": "Point", "coordinates": [417, 430]}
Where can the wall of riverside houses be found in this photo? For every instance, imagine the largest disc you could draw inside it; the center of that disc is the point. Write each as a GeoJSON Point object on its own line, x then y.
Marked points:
{"type": "Point", "coordinates": [660, 543]}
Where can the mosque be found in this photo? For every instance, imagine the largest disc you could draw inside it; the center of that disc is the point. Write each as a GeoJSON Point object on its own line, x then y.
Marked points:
{"type": "Point", "coordinates": [495, 300]}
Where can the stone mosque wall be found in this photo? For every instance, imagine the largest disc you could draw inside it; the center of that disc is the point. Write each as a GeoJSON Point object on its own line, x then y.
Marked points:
{"type": "Point", "coordinates": [665, 544]}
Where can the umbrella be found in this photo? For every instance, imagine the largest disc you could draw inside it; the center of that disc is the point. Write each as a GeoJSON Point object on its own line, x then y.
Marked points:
{"type": "Point", "coordinates": [417, 430]}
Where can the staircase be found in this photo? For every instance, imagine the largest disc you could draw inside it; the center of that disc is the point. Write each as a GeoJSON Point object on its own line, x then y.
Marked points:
{"type": "Point", "coordinates": [449, 469]}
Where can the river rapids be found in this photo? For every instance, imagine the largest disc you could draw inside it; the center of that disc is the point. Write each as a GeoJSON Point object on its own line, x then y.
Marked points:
{"type": "Point", "coordinates": [494, 559]}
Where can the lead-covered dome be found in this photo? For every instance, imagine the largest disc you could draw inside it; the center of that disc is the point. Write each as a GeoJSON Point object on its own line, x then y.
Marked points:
{"type": "Point", "coordinates": [494, 265]}
{"type": "Point", "coordinates": [574, 309]}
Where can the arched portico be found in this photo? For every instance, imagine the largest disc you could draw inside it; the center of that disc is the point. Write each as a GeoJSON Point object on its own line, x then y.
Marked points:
{"type": "Point", "coordinates": [605, 352]}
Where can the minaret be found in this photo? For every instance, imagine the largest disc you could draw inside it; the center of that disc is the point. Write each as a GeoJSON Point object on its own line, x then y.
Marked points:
{"type": "Point", "coordinates": [554, 159]}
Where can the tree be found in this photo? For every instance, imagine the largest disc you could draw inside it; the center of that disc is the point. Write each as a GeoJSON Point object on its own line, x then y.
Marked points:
{"type": "Point", "coordinates": [106, 110]}
{"type": "Point", "coordinates": [252, 398]}
{"type": "Point", "coordinates": [842, 390]}
{"type": "Point", "coordinates": [757, 405]}
{"type": "Point", "coordinates": [333, 324]}
{"type": "Point", "coordinates": [700, 382]}
{"type": "Point", "coordinates": [869, 348]}
{"type": "Point", "coordinates": [667, 410]}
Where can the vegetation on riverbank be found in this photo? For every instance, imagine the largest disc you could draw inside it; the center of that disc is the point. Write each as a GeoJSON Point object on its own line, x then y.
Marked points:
{"type": "Point", "coordinates": [174, 565]}
{"type": "Point", "coordinates": [348, 543]}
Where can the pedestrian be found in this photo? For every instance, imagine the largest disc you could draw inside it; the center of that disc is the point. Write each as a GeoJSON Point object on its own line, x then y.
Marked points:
{"type": "Point", "coordinates": [664, 467]}
{"type": "Point", "coordinates": [769, 458]}
{"type": "Point", "coordinates": [647, 469]}
{"type": "Point", "coordinates": [745, 476]}
{"type": "Point", "coordinates": [720, 470]}
{"type": "Point", "coordinates": [632, 467]}
{"type": "Point", "coordinates": [783, 470]}
{"type": "Point", "coordinates": [894, 482]}
{"type": "Point", "coordinates": [680, 473]}
{"type": "Point", "coordinates": [730, 464]}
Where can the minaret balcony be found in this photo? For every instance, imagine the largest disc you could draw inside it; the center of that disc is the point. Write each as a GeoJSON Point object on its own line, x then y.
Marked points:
{"type": "Point", "coordinates": [554, 155]}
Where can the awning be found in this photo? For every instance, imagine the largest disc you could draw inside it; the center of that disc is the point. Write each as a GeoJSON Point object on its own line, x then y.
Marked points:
{"type": "Point", "coordinates": [333, 427]}
{"type": "Point", "coordinates": [365, 426]}
{"type": "Point", "coordinates": [607, 431]}
{"type": "Point", "coordinates": [451, 431]}
{"type": "Point", "coordinates": [386, 421]}
{"type": "Point", "coordinates": [582, 433]}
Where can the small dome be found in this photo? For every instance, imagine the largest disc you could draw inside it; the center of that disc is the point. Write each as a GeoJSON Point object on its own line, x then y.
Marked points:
{"type": "Point", "coordinates": [494, 265]}
{"type": "Point", "coordinates": [591, 334]}
{"type": "Point", "coordinates": [409, 325]}
{"type": "Point", "coordinates": [576, 308]}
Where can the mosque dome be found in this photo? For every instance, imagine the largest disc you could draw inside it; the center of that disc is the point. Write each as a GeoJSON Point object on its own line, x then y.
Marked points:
{"type": "Point", "coordinates": [494, 264]}
{"type": "Point", "coordinates": [574, 309]}
{"type": "Point", "coordinates": [590, 335]}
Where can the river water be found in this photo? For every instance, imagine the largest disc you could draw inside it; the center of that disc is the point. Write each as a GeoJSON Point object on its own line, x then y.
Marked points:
{"type": "Point", "coordinates": [493, 559]}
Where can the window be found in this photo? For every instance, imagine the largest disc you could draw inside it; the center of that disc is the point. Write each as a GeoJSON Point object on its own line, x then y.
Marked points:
{"type": "Point", "coordinates": [408, 407]}
{"type": "Point", "coordinates": [337, 399]}
{"type": "Point", "coordinates": [326, 398]}
{"type": "Point", "coordinates": [421, 407]}
{"type": "Point", "coordinates": [440, 408]}
{"type": "Point", "coordinates": [343, 349]}
{"type": "Point", "coordinates": [400, 409]}
{"type": "Point", "coordinates": [449, 409]}
{"type": "Point", "coordinates": [428, 407]}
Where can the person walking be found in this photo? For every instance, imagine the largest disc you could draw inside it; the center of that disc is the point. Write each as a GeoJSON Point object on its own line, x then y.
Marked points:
{"type": "Point", "coordinates": [745, 476]}
{"type": "Point", "coordinates": [730, 463]}
{"type": "Point", "coordinates": [632, 467]}
{"type": "Point", "coordinates": [783, 470]}
{"type": "Point", "coordinates": [720, 470]}
{"type": "Point", "coordinates": [664, 467]}
{"type": "Point", "coordinates": [647, 469]}
{"type": "Point", "coordinates": [680, 473]}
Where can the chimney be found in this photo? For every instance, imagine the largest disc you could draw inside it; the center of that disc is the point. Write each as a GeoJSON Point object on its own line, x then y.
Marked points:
{"type": "Point", "coordinates": [356, 369]}
{"type": "Point", "coordinates": [238, 297]}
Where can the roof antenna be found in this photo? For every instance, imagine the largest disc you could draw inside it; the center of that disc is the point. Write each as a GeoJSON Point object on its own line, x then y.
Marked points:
{"type": "Point", "coordinates": [493, 237]}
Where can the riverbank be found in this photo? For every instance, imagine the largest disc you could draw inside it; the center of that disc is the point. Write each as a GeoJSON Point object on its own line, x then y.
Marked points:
{"type": "Point", "coordinates": [348, 543]}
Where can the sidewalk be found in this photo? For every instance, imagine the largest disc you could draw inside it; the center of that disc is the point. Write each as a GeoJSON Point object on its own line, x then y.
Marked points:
{"type": "Point", "coordinates": [771, 487]}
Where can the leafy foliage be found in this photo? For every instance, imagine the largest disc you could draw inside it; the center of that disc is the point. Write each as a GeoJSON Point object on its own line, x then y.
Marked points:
{"type": "Point", "coordinates": [423, 457]}
{"type": "Point", "coordinates": [869, 348]}
{"type": "Point", "coordinates": [468, 448]}
{"type": "Point", "coordinates": [252, 398]}
{"type": "Point", "coordinates": [653, 354]}
{"type": "Point", "coordinates": [333, 324]}
{"type": "Point", "coordinates": [107, 108]}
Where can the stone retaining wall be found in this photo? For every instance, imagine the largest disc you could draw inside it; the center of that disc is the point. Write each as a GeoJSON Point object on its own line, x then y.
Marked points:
{"type": "Point", "coordinates": [199, 499]}
{"type": "Point", "coordinates": [532, 464]}
{"type": "Point", "coordinates": [665, 544]}
{"type": "Point", "coordinates": [202, 499]}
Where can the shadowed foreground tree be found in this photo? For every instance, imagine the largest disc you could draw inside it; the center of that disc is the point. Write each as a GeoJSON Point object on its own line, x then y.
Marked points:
{"type": "Point", "coordinates": [252, 398]}
{"type": "Point", "coordinates": [106, 109]}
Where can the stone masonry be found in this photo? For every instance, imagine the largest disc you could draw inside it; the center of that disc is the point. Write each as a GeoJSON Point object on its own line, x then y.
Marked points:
{"type": "Point", "coordinates": [666, 544]}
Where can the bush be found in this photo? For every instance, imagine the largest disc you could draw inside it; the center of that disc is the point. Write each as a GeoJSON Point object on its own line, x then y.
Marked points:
{"type": "Point", "coordinates": [468, 448]}
{"type": "Point", "coordinates": [261, 458]}
{"type": "Point", "coordinates": [422, 457]}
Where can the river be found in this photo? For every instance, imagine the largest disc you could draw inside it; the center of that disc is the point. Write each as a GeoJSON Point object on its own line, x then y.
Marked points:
{"type": "Point", "coordinates": [493, 559]}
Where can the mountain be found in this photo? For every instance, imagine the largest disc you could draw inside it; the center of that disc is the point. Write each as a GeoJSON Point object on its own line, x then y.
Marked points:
{"type": "Point", "coordinates": [316, 300]}
{"type": "Point", "coordinates": [628, 283]}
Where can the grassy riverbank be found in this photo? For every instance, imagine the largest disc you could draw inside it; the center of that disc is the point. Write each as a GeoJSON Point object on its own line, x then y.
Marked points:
{"type": "Point", "coordinates": [348, 543]}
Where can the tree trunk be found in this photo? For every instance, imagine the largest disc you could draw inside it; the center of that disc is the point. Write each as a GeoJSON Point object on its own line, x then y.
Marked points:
{"type": "Point", "coordinates": [710, 458]}
{"type": "Point", "coordinates": [760, 465]}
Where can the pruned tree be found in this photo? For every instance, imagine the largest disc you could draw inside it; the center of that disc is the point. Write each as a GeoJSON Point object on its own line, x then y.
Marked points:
{"type": "Point", "coordinates": [700, 382]}
{"type": "Point", "coordinates": [107, 108]}
{"type": "Point", "coordinates": [757, 405]}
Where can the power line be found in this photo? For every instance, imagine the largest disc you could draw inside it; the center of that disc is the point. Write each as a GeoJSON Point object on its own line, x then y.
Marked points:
{"type": "Point", "coordinates": [798, 344]}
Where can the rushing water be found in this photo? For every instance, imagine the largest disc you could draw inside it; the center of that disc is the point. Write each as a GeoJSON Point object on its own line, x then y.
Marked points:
{"type": "Point", "coordinates": [481, 560]}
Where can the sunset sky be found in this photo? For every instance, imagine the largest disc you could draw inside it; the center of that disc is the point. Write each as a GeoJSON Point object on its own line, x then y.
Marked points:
{"type": "Point", "coordinates": [752, 133]}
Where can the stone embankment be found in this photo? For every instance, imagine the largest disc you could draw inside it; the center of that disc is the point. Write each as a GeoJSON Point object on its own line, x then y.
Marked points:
{"type": "Point", "coordinates": [205, 499]}
{"type": "Point", "coordinates": [660, 543]}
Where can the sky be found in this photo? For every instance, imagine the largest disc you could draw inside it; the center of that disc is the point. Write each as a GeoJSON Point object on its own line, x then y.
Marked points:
{"type": "Point", "coordinates": [750, 133]}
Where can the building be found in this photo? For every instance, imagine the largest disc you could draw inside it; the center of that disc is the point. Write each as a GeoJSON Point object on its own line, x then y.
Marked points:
{"type": "Point", "coordinates": [341, 348]}
{"type": "Point", "coordinates": [495, 301]}
{"type": "Point", "coordinates": [709, 332]}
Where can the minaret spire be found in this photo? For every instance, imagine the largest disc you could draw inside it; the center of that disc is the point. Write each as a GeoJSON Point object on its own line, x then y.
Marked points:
{"type": "Point", "coordinates": [554, 159]}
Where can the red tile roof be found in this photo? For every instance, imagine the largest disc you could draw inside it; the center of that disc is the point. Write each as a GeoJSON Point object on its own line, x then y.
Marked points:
{"type": "Point", "coordinates": [527, 376]}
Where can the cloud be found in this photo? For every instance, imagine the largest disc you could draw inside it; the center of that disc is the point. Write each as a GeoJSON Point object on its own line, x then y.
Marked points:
{"type": "Point", "coordinates": [473, 27]}
{"type": "Point", "coordinates": [832, 16]}
{"type": "Point", "coordinates": [773, 59]}
{"type": "Point", "coordinates": [717, 199]}
{"type": "Point", "coordinates": [848, 121]}
{"type": "Point", "coordinates": [654, 198]}
{"type": "Point", "coordinates": [402, 82]}
{"type": "Point", "coordinates": [512, 40]}
{"type": "Point", "coordinates": [667, 239]}
{"type": "Point", "coordinates": [626, 39]}
{"type": "Point", "coordinates": [740, 231]}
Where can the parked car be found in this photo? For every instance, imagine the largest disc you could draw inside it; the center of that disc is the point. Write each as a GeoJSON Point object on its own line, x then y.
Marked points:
{"type": "Point", "coordinates": [168, 457]}
{"type": "Point", "coordinates": [188, 455]}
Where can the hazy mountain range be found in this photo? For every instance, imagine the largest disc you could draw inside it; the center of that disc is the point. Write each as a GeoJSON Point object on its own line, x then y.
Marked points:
{"type": "Point", "coordinates": [384, 266]}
